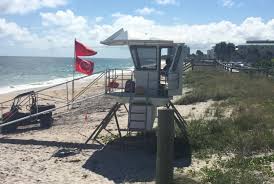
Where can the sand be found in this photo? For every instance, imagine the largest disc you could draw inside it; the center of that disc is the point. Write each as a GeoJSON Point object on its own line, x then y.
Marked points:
{"type": "Point", "coordinates": [26, 156]}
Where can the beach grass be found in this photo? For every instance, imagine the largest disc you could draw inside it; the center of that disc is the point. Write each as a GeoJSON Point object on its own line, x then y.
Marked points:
{"type": "Point", "coordinates": [249, 128]}
{"type": "Point", "coordinates": [245, 134]}
{"type": "Point", "coordinates": [218, 85]}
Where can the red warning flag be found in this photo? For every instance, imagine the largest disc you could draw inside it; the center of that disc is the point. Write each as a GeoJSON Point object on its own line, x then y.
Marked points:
{"type": "Point", "coordinates": [84, 66]}
{"type": "Point", "coordinates": [82, 50]}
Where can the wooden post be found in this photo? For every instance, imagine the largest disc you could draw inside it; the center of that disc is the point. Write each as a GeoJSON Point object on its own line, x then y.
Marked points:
{"type": "Point", "coordinates": [67, 96]}
{"type": "Point", "coordinates": [106, 84]}
{"type": "Point", "coordinates": [1, 109]}
{"type": "Point", "coordinates": [165, 147]}
{"type": "Point", "coordinates": [117, 124]}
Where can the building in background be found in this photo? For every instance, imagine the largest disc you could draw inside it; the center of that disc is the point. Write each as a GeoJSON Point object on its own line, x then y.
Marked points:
{"type": "Point", "coordinates": [211, 54]}
{"type": "Point", "coordinates": [187, 50]}
{"type": "Point", "coordinates": [255, 50]}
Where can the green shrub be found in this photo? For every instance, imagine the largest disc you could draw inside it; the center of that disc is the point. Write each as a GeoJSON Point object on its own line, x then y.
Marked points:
{"type": "Point", "coordinates": [246, 134]}
{"type": "Point", "coordinates": [219, 176]}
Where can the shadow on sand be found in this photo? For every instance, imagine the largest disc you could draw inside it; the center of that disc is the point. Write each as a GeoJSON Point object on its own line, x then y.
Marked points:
{"type": "Point", "coordinates": [49, 143]}
{"type": "Point", "coordinates": [26, 128]}
{"type": "Point", "coordinates": [128, 159]}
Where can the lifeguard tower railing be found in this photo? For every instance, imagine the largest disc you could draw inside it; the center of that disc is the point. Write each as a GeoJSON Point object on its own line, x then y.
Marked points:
{"type": "Point", "coordinates": [116, 79]}
{"type": "Point", "coordinates": [122, 83]}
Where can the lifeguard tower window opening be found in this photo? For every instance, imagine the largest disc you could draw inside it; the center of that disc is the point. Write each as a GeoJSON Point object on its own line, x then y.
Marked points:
{"type": "Point", "coordinates": [144, 58]}
{"type": "Point", "coordinates": [165, 60]}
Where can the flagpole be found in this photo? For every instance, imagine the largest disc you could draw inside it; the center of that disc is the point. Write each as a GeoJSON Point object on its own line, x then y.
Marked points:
{"type": "Point", "coordinates": [73, 73]}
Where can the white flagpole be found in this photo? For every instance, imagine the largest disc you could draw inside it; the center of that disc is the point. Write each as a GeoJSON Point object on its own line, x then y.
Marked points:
{"type": "Point", "coordinates": [73, 73]}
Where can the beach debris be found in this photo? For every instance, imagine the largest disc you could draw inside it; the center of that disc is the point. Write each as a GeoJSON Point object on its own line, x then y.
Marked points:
{"type": "Point", "coordinates": [65, 152]}
{"type": "Point", "coordinates": [75, 160]}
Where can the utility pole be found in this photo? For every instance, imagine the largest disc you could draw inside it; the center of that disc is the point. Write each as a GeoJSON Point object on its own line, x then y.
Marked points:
{"type": "Point", "coordinates": [165, 147]}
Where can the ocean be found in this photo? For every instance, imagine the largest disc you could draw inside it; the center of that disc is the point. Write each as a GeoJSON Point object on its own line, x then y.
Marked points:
{"type": "Point", "coordinates": [20, 73]}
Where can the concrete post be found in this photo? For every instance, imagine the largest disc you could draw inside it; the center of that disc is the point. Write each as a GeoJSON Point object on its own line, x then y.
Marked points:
{"type": "Point", "coordinates": [165, 147]}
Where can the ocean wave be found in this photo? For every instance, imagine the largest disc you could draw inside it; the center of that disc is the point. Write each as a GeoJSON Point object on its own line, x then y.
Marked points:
{"type": "Point", "coordinates": [20, 87]}
{"type": "Point", "coordinates": [35, 85]}
{"type": "Point", "coordinates": [52, 82]}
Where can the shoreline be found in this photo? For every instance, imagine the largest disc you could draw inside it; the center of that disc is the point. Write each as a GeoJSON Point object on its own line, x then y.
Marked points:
{"type": "Point", "coordinates": [43, 84]}
{"type": "Point", "coordinates": [59, 94]}
{"type": "Point", "coordinates": [49, 83]}
{"type": "Point", "coordinates": [20, 74]}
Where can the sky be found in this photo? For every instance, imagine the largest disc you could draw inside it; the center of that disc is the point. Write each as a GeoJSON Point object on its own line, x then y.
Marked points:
{"type": "Point", "coordinates": [49, 27]}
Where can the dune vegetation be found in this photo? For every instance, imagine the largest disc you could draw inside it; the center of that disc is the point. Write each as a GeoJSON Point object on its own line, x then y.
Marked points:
{"type": "Point", "coordinates": [244, 137]}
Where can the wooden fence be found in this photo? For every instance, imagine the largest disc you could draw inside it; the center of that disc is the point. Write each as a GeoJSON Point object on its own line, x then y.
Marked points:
{"type": "Point", "coordinates": [250, 70]}
{"type": "Point", "coordinates": [229, 67]}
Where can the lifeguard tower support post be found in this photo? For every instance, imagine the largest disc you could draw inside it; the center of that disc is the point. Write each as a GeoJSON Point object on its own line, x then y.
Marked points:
{"type": "Point", "coordinates": [157, 77]}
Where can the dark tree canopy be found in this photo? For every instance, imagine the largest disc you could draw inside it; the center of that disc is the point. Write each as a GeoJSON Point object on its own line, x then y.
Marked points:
{"type": "Point", "coordinates": [199, 53]}
{"type": "Point", "coordinates": [224, 51]}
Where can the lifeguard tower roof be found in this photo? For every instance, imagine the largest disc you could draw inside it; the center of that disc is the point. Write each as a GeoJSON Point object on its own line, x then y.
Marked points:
{"type": "Point", "coordinates": [120, 38]}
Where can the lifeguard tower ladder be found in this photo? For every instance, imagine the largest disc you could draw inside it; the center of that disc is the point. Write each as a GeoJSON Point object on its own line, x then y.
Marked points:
{"type": "Point", "coordinates": [157, 77]}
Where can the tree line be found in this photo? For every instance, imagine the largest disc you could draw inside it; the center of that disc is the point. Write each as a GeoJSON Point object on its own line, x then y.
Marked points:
{"type": "Point", "coordinates": [226, 52]}
{"type": "Point", "coordinates": [223, 51]}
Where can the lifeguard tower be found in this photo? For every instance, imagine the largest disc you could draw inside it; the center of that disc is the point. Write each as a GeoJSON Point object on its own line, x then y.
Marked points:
{"type": "Point", "coordinates": [157, 77]}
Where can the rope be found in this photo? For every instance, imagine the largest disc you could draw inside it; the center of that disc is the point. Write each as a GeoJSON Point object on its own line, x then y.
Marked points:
{"type": "Point", "coordinates": [69, 81]}
{"type": "Point", "coordinates": [52, 96]}
{"type": "Point", "coordinates": [49, 99]}
{"type": "Point", "coordinates": [65, 152]}
{"type": "Point", "coordinates": [88, 86]}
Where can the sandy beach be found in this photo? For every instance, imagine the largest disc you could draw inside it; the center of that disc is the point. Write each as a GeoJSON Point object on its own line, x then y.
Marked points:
{"type": "Point", "coordinates": [27, 155]}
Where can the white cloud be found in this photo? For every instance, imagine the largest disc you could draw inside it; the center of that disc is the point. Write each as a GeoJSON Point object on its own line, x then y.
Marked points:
{"type": "Point", "coordinates": [26, 6]}
{"type": "Point", "coordinates": [166, 2]}
{"type": "Point", "coordinates": [52, 3]}
{"type": "Point", "coordinates": [147, 11]}
{"type": "Point", "coordinates": [60, 28]}
{"type": "Point", "coordinates": [64, 19]}
{"type": "Point", "coordinates": [13, 31]}
{"type": "Point", "coordinates": [201, 36]}
{"type": "Point", "coordinates": [228, 3]}
{"type": "Point", "coordinates": [98, 19]}
{"type": "Point", "coordinates": [117, 14]}
{"type": "Point", "coordinates": [21, 38]}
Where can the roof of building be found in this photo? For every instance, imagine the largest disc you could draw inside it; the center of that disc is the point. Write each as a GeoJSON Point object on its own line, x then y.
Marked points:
{"type": "Point", "coordinates": [259, 41]}
{"type": "Point", "coordinates": [257, 44]}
